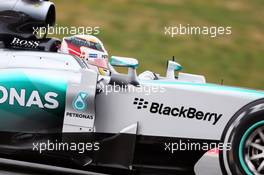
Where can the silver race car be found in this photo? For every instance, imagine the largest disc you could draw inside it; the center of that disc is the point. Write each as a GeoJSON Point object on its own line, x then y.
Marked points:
{"type": "Point", "coordinates": [55, 110]}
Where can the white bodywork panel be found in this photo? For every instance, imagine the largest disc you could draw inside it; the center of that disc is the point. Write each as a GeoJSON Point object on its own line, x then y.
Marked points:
{"type": "Point", "coordinates": [184, 77]}
{"type": "Point", "coordinates": [81, 120]}
{"type": "Point", "coordinates": [38, 60]}
{"type": "Point", "coordinates": [115, 111]}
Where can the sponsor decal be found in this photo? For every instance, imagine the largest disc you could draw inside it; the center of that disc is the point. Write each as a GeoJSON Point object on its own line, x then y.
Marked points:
{"type": "Point", "coordinates": [79, 103]}
{"type": "Point", "coordinates": [24, 98]}
{"type": "Point", "coordinates": [92, 55]}
{"type": "Point", "coordinates": [181, 111]}
{"type": "Point", "coordinates": [78, 115]}
{"type": "Point", "coordinates": [141, 103]}
{"type": "Point", "coordinates": [22, 43]}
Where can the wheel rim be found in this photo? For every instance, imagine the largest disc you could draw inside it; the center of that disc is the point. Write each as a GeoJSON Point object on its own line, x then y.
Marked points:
{"type": "Point", "coordinates": [251, 150]}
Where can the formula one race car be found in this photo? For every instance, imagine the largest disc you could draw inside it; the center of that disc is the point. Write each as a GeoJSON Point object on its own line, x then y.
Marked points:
{"type": "Point", "coordinates": [55, 110]}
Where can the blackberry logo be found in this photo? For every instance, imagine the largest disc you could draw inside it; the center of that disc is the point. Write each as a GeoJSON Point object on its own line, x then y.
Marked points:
{"type": "Point", "coordinates": [141, 103]}
{"type": "Point", "coordinates": [179, 111]}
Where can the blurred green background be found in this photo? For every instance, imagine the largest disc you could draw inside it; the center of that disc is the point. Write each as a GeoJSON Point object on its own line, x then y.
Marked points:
{"type": "Point", "coordinates": [135, 28]}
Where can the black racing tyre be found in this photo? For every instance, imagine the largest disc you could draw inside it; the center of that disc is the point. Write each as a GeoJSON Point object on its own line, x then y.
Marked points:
{"type": "Point", "coordinates": [245, 135]}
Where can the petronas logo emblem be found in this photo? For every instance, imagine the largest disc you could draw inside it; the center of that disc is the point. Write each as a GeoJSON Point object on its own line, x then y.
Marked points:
{"type": "Point", "coordinates": [80, 103]}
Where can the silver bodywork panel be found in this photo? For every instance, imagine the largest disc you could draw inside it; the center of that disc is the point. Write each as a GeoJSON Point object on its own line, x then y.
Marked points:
{"type": "Point", "coordinates": [183, 109]}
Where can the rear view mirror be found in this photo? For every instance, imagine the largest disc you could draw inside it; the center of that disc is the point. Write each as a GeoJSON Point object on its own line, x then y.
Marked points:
{"type": "Point", "coordinates": [171, 68]}
{"type": "Point", "coordinates": [124, 62]}
{"type": "Point", "coordinates": [130, 63]}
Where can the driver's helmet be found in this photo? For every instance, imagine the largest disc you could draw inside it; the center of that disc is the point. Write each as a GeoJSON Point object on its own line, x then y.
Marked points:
{"type": "Point", "coordinates": [89, 48]}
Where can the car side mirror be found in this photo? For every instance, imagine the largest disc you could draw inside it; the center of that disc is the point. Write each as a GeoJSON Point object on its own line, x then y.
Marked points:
{"type": "Point", "coordinates": [172, 66]}
{"type": "Point", "coordinates": [124, 62]}
{"type": "Point", "coordinates": [130, 63]}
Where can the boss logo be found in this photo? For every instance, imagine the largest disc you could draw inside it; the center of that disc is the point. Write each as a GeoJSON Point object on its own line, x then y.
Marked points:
{"type": "Point", "coordinates": [24, 43]}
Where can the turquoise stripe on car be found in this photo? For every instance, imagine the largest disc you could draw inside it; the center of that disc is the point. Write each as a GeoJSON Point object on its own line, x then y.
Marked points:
{"type": "Point", "coordinates": [206, 85]}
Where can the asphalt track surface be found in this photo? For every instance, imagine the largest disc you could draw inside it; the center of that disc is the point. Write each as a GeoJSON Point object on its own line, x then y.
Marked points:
{"type": "Point", "coordinates": [207, 165]}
